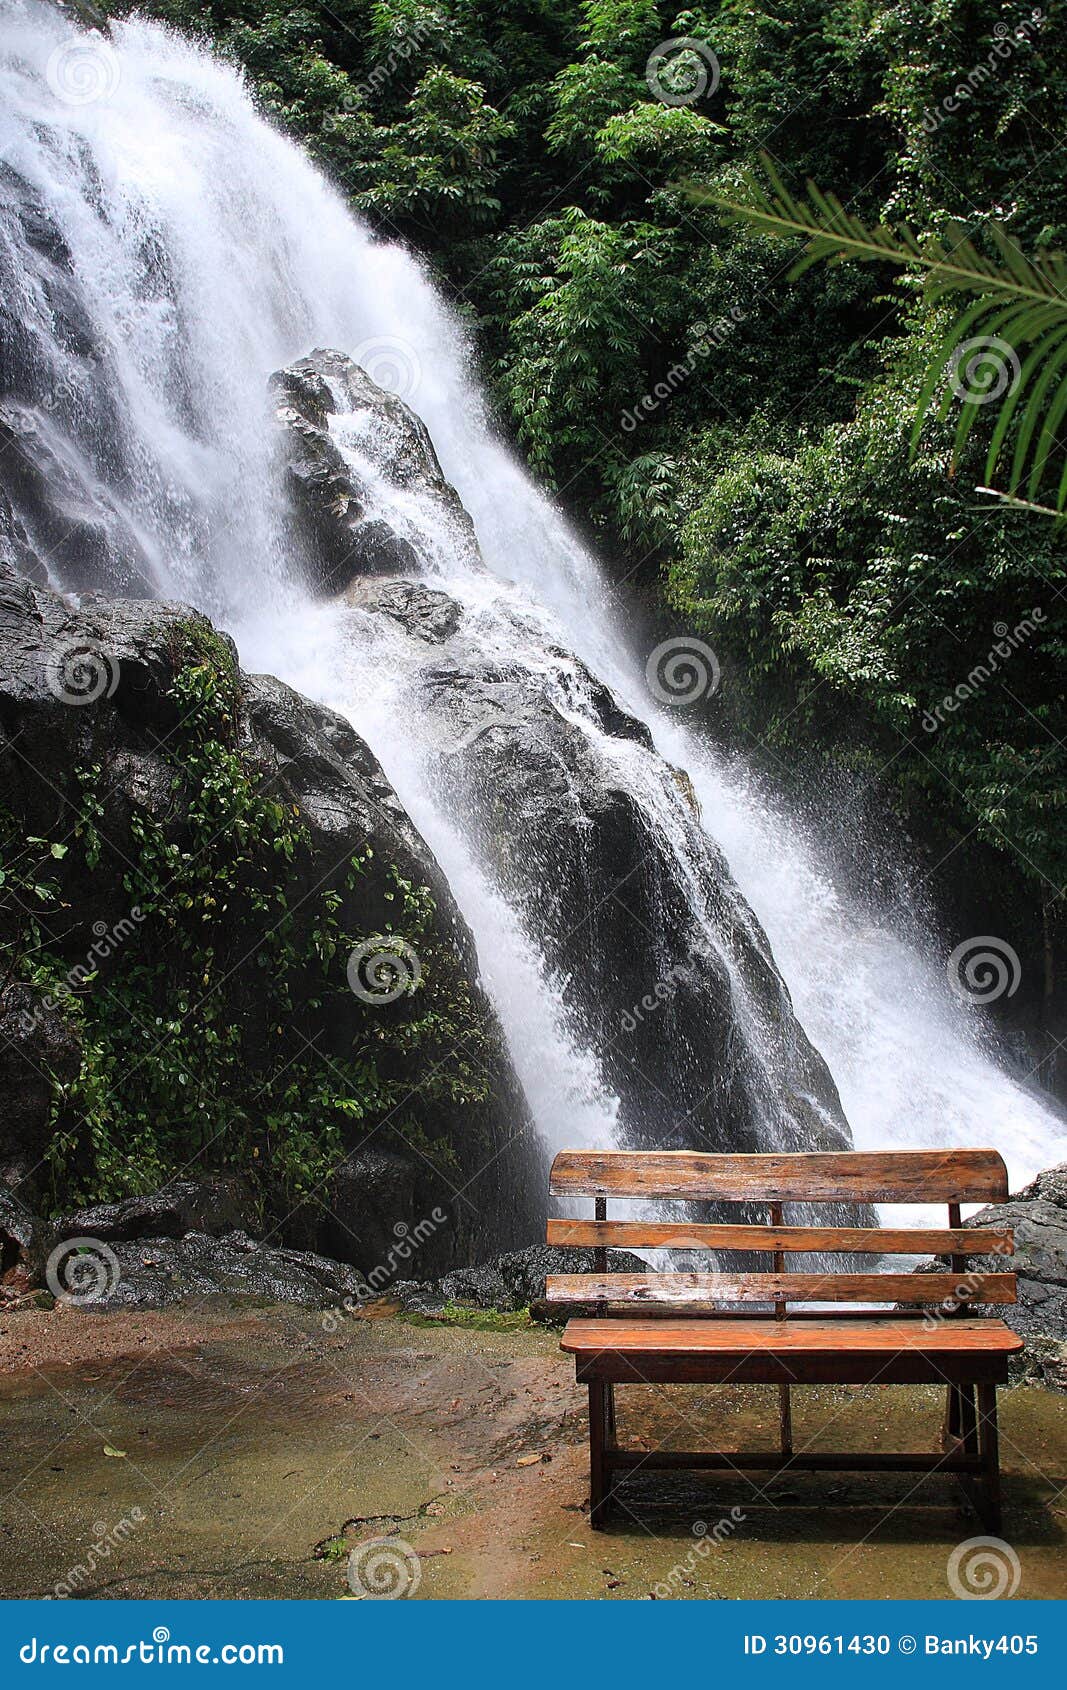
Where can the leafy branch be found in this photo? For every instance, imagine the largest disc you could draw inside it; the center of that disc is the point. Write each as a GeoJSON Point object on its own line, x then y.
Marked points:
{"type": "Point", "coordinates": [1009, 347]}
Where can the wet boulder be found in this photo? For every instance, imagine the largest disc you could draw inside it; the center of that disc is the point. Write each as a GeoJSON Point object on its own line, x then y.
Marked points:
{"type": "Point", "coordinates": [340, 434]}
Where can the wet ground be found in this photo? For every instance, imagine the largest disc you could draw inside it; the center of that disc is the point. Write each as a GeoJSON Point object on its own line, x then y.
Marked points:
{"type": "Point", "coordinates": [247, 1454]}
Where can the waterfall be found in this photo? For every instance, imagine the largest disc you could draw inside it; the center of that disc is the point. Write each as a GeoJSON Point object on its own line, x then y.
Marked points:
{"type": "Point", "coordinates": [163, 253]}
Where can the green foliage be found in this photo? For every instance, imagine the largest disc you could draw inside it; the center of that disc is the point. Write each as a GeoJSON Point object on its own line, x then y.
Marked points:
{"type": "Point", "coordinates": [1021, 306]}
{"type": "Point", "coordinates": [221, 1030]}
{"type": "Point", "coordinates": [888, 621]}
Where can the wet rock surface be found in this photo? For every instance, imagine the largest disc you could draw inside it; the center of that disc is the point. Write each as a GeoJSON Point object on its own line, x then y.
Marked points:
{"type": "Point", "coordinates": [510, 1282]}
{"type": "Point", "coordinates": [163, 1273]}
{"type": "Point", "coordinates": [334, 499]}
{"type": "Point", "coordinates": [91, 688]}
{"type": "Point", "coordinates": [662, 966]}
{"type": "Point", "coordinates": [1038, 1216]}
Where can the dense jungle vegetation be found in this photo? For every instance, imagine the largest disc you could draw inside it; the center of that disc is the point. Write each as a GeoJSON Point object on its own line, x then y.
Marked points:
{"type": "Point", "coordinates": [737, 441]}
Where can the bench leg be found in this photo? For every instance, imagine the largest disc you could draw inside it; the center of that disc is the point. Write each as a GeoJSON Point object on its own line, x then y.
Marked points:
{"type": "Point", "coordinates": [600, 1406]}
{"type": "Point", "coordinates": [952, 1427]}
{"type": "Point", "coordinates": [989, 1443]}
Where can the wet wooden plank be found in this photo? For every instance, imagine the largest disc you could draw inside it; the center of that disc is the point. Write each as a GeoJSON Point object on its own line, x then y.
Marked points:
{"type": "Point", "coordinates": [904, 1176]}
{"type": "Point", "coordinates": [831, 1338]}
{"type": "Point", "coordinates": [699, 1288]}
{"type": "Point", "coordinates": [691, 1235]}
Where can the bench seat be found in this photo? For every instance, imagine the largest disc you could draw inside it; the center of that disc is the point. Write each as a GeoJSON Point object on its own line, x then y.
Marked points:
{"type": "Point", "coordinates": [752, 1350]}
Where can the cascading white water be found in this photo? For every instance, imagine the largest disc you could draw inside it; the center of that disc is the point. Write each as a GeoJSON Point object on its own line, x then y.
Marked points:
{"type": "Point", "coordinates": [208, 253]}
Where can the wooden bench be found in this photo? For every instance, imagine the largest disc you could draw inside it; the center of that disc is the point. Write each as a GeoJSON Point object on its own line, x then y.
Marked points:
{"type": "Point", "coordinates": [654, 1328]}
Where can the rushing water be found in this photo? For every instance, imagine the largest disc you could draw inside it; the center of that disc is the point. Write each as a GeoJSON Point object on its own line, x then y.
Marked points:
{"type": "Point", "coordinates": [207, 253]}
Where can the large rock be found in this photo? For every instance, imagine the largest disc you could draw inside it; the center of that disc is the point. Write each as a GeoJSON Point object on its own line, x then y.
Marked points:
{"type": "Point", "coordinates": [212, 1204]}
{"type": "Point", "coordinates": [510, 1282]}
{"type": "Point", "coordinates": [340, 529]}
{"type": "Point", "coordinates": [1038, 1215]}
{"type": "Point", "coordinates": [161, 1273]}
{"type": "Point", "coordinates": [92, 689]}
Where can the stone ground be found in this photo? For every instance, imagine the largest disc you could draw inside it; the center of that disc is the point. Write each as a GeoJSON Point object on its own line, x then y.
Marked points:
{"type": "Point", "coordinates": [246, 1454]}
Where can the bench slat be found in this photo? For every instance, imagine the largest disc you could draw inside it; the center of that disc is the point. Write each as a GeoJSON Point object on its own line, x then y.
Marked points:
{"type": "Point", "coordinates": [702, 1288]}
{"type": "Point", "coordinates": [832, 1337]}
{"type": "Point", "coordinates": [687, 1235]}
{"type": "Point", "coordinates": [903, 1176]}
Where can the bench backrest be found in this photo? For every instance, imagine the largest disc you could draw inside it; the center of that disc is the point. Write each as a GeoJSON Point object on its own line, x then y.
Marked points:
{"type": "Point", "coordinates": [952, 1177]}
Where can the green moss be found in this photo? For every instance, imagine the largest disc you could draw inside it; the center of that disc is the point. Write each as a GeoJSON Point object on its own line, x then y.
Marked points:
{"type": "Point", "coordinates": [476, 1320]}
{"type": "Point", "coordinates": [226, 1033]}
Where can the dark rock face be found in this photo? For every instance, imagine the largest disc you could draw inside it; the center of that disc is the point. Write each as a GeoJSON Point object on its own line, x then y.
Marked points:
{"type": "Point", "coordinates": [211, 1205]}
{"type": "Point", "coordinates": [91, 687]}
{"type": "Point", "coordinates": [343, 535]}
{"type": "Point", "coordinates": [161, 1273]}
{"type": "Point", "coordinates": [512, 1281]}
{"type": "Point", "coordinates": [665, 973]}
{"type": "Point", "coordinates": [1038, 1216]}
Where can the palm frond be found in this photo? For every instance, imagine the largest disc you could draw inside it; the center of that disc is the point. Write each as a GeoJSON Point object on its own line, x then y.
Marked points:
{"type": "Point", "coordinates": [1008, 348]}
